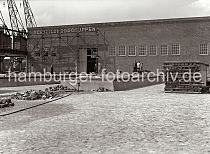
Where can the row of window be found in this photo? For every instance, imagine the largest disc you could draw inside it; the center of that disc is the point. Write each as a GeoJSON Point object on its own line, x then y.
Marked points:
{"type": "Point", "coordinates": [142, 50]}
{"type": "Point", "coordinates": [46, 51]}
{"type": "Point", "coordinates": [151, 50]}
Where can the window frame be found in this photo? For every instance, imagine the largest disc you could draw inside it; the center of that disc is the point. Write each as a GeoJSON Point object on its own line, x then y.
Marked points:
{"type": "Point", "coordinates": [162, 46]}
{"type": "Point", "coordinates": [130, 51]}
{"type": "Point", "coordinates": [54, 51]}
{"type": "Point", "coordinates": [142, 46]}
{"type": "Point", "coordinates": [119, 51]}
{"type": "Point", "coordinates": [112, 47]}
{"type": "Point", "coordinates": [202, 53]}
{"type": "Point", "coordinates": [172, 49]}
{"type": "Point", "coordinates": [37, 52]}
{"type": "Point", "coordinates": [153, 45]}
{"type": "Point", "coordinates": [46, 51]}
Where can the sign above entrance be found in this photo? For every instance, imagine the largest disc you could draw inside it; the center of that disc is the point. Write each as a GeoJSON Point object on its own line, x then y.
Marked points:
{"type": "Point", "coordinates": [65, 30]}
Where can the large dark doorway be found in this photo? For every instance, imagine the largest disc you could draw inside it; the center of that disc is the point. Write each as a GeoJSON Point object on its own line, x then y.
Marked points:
{"type": "Point", "coordinates": [92, 60]}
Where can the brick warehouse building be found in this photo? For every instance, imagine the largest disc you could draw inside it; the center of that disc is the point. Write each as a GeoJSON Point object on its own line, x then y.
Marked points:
{"type": "Point", "coordinates": [117, 45]}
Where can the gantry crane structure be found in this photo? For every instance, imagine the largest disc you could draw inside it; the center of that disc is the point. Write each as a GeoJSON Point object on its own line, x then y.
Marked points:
{"type": "Point", "coordinates": [13, 42]}
{"type": "Point", "coordinates": [4, 37]}
{"type": "Point", "coordinates": [3, 23]}
{"type": "Point", "coordinates": [30, 22]}
{"type": "Point", "coordinates": [19, 33]}
{"type": "Point", "coordinates": [14, 15]}
{"type": "Point", "coordinates": [29, 16]}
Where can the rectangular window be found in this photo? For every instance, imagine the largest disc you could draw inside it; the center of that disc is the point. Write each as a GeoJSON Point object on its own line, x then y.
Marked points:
{"type": "Point", "coordinates": [132, 50]}
{"type": "Point", "coordinates": [46, 51]}
{"type": "Point", "coordinates": [153, 50]}
{"type": "Point", "coordinates": [53, 51]}
{"type": "Point", "coordinates": [112, 51]}
{"type": "Point", "coordinates": [142, 50]}
{"type": "Point", "coordinates": [64, 60]}
{"type": "Point", "coordinates": [44, 58]}
{"type": "Point", "coordinates": [122, 51]}
{"type": "Point", "coordinates": [37, 52]}
{"type": "Point", "coordinates": [175, 49]}
{"type": "Point", "coordinates": [164, 50]}
{"type": "Point", "coordinates": [203, 49]}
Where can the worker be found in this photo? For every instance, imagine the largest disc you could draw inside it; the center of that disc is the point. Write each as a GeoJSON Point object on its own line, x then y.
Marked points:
{"type": "Point", "coordinates": [141, 68]}
{"type": "Point", "coordinates": [51, 69]}
{"type": "Point", "coordinates": [95, 68]}
{"type": "Point", "coordinates": [99, 68]}
{"type": "Point", "coordinates": [135, 67]}
{"type": "Point", "coordinates": [138, 66]}
{"type": "Point", "coordinates": [32, 68]}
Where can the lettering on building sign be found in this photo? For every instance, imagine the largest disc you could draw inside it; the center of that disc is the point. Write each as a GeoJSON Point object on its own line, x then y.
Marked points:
{"type": "Point", "coordinates": [65, 30]}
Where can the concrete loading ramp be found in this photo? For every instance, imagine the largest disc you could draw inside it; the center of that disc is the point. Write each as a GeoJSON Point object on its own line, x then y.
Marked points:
{"type": "Point", "coordinates": [89, 85]}
{"type": "Point", "coordinates": [116, 85]}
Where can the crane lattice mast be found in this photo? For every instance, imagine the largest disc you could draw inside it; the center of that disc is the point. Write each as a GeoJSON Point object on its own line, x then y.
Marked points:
{"type": "Point", "coordinates": [2, 19]}
{"type": "Point", "coordinates": [15, 19]}
{"type": "Point", "coordinates": [4, 26]}
{"type": "Point", "coordinates": [29, 16]}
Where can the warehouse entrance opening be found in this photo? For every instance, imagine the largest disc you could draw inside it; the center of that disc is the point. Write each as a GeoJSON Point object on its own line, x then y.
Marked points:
{"type": "Point", "coordinates": [92, 60]}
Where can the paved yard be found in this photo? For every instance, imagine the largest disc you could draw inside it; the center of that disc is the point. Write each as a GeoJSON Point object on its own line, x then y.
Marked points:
{"type": "Point", "coordinates": [145, 121]}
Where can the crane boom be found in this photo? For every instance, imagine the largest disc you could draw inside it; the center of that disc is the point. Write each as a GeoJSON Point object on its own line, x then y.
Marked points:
{"type": "Point", "coordinates": [15, 19]}
{"type": "Point", "coordinates": [4, 26]}
{"type": "Point", "coordinates": [29, 16]}
{"type": "Point", "coordinates": [2, 19]}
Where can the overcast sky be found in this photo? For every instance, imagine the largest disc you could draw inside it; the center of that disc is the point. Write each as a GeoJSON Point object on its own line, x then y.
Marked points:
{"type": "Point", "coordinates": [59, 12]}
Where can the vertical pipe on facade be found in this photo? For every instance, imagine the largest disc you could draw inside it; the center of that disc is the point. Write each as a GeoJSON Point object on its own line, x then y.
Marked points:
{"type": "Point", "coordinates": [59, 52]}
{"type": "Point", "coordinates": [78, 52]}
{"type": "Point", "coordinates": [97, 50]}
{"type": "Point", "coordinates": [51, 51]}
{"type": "Point", "coordinates": [42, 51]}
{"type": "Point", "coordinates": [67, 39]}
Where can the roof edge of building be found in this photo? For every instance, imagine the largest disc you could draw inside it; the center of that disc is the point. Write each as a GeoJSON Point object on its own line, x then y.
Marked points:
{"type": "Point", "coordinates": [136, 22]}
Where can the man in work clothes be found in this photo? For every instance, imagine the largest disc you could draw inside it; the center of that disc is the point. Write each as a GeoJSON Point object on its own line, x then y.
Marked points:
{"type": "Point", "coordinates": [138, 65]}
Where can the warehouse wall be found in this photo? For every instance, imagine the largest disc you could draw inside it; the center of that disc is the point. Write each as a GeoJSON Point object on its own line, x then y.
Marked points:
{"type": "Point", "coordinates": [189, 33]}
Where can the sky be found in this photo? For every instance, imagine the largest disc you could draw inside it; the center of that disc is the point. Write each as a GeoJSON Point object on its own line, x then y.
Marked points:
{"type": "Point", "coordinates": [66, 12]}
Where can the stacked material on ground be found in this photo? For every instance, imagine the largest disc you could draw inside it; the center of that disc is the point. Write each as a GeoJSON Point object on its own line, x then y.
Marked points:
{"type": "Point", "coordinates": [183, 77]}
{"type": "Point", "coordinates": [48, 93]}
{"type": "Point", "coordinates": [6, 102]}
{"type": "Point", "coordinates": [102, 89]}
{"type": "Point", "coordinates": [59, 88]}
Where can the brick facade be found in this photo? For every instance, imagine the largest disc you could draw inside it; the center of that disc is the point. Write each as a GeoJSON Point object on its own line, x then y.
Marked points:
{"type": "Point", "coordinates": [166, 37]}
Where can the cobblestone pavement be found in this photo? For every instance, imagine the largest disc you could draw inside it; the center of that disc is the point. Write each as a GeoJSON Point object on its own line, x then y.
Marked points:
{"type": "Point", "coordinates": [145, 121]}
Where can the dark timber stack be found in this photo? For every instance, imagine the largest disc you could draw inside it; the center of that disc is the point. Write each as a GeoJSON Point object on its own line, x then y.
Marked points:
{"type": "Point", "coordinates": [183, 77]}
